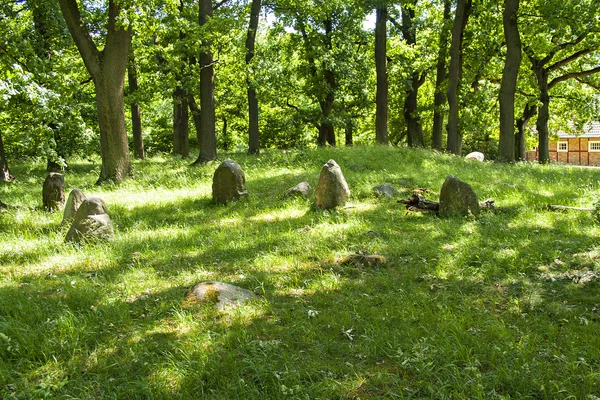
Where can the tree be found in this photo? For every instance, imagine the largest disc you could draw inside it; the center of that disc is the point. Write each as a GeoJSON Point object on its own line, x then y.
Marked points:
{"type": "Point", "coordinates": [207, 139]}
{"type": "Point", "coordinates": [463, 9]}
{"type": "Point", "coordinates": [381, 97]}
{"type": "Point", "coordinates": [441, 72]}
{"type": "Point", "coordinates": [136, 120]}
{"type": "Point", "coordinates": [5, 175]}
{"type": "Point", "coordinates": [107, 69]}
{"type": "Point", "coordinates": [253, 133]}
{"type": "Point", "coordinates": [506, 147]}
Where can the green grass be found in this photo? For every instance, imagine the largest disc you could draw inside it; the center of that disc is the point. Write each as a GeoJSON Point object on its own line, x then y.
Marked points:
{"type": "Point", "coordinates": [463, 308]}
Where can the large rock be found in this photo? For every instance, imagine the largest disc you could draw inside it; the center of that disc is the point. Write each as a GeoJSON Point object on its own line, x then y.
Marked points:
{"type": "Point", "coordinates": [457, 197]}
{"type": "Point", "coordinates": [91, 222]}
{"type": "Point", "coordinates": [219, 293]}
{"type": "Point", "coordinates": [302, 189]}
{"type": "Point", "coordinates": [385, 190]}
{"type": "Point", "coordinates": [229, 182]}
{"type": "Point", "coordinates": [76, 197]}
{"type": "Point", "coordinates": [475, 156]}
{"type": "Point", "coordinates": [53, 192]}
{"type": "Point", "coordinates": [332, 190]}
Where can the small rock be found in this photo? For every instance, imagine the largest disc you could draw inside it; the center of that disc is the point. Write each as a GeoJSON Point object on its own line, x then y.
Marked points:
{"type": "Point", "coordinates": [475, 156]}
{"type": "Point", "coordinates": [385, 190]}
{"type": "Point", "coordinates": [76, 197]}
{"type": "Point", "coordinates": [229, 182]}
{"type": "Point", "coordinates": [91, 222]}
{"type": "Point", "coordinates": [53, 192]}
{"type": "Point", "coordinates": [457, 197]}
{"type": "Point", "coordinates": [362, 260]}
{"type": "Point", "coordinates": [302, 189]}
{"type": "Point", "coordinates": [332, 190]}
{"type": "Point", "coordinates": [219, 293]}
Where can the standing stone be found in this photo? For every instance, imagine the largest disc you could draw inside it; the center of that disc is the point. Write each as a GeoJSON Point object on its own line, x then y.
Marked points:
{"type": "Point", "coordinates": [385, 190]}
{"type": "Point", "coordinates": [229, 182]}
{"type": "Point", "coordinates": [300, 190]}
{"type": "Point", "coordinates": [53, 193]}
{"type": "Point", "coordinates": [332, 190]}
{"type": "Point", "coordinates": [457, 197]}
{"type": "Point", "coordinates": [219, 293]}
{"type": "Point", "coordinates": [91, 222]}
{"type": "Point", "coordinates": [76, 197]}
{"type": "Point", "coordinates": [475, 156]}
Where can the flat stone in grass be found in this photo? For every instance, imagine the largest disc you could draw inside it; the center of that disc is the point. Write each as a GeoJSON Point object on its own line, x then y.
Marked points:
{"type": "Point", "coordinates": [457, 197]}
{"type": "Point", "coordinates": [332, 190]}
{"type": "Point", "coordinates": [91, 222]}
{"type": "Point", "coordinates": [53, 191]}
{"type": "Point", "coordinates": [229, 182]}
{"type": "Point", "coordinates": [385, 190]}
{"type": "Point", "coordinates": [302, 189]}
{"type": "Point", "coordinates": [76, 197]}
{"type": "Point", "coordinates": [219, 293]}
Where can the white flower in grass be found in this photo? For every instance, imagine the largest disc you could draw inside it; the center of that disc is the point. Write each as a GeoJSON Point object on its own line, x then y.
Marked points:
{"type": "Point", "coordinates": [312, 313]}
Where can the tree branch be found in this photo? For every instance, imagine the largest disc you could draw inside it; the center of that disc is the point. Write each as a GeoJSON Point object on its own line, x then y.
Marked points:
{"type": "Point", "coordinates": [569, 59]}
{"type": "Point", "coordinates": [219, 4]}
{"type": "Point", "coordinates": [81, 36]}
{"type": "Point", "coordinates": [572, 75]}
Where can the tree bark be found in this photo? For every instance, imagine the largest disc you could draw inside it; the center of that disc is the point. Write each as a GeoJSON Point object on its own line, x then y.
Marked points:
{"type": "Point", "coordinates": [381, 97]}
{"type": "Point", "coordinates": [543, 116]}
{"type": "Point", "coordinates": [349, 133]}
{"type": "Point", "coordinates": [463, 9]}
{"type": "Point", "coordinates": [136, 119]}
{"type": "Point", "coordinates": [196, 117]}
{"type": "Point", "coordinates": [326, 130]}
{"type": "Point", "coordinates": [253, 133]}
{"type": "Point", "coordinates": [411, 115]}
{"type": "Point", "coordinates": [506, 145]}
{"type": "Point", "coordinates": [107, 69]}
{"type": "Point", "coordinates": [439, 98]}
{"type": "Point", "coordinates": [181, 144]}
{"type": "Point", "coordinates": [207, 140]}
{"type": "Point", "coordinates": [5, 175]}
{"type": "Point", "coordinates": [520, 137]}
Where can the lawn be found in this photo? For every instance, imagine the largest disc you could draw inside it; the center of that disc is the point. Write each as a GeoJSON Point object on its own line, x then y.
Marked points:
{"type": "Point", "coordinates": [504, 305]}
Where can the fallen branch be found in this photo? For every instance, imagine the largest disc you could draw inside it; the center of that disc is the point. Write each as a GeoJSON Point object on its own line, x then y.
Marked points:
{"type": "Point", "coordinates": [563, 208]}
{"type": "Point", "coordinates": [418, 202]}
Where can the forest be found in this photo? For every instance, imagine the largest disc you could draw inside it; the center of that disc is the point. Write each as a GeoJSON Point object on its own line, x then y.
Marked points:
{"type": "Point", "coordinates": [79, 79]}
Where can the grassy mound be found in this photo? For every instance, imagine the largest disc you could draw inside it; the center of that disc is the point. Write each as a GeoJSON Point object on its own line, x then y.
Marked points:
{"type": "Point", "coordinates": [500, 306]}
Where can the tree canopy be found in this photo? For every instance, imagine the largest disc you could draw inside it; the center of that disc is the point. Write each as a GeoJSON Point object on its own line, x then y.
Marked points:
{"type": "Point", "coordinates": [289, 73]}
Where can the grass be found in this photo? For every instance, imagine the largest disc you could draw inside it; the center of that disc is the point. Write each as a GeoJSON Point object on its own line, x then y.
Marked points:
{"type": "Point", "coordinates": [463, 307]}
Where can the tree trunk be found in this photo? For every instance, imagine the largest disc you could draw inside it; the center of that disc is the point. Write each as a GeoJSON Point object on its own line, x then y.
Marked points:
{"type": "Point", "coordinates": [506, 145]}
{"type": "Point", "coordinates": [349, 133]}
{"type": "Point", "coordinates": [107, 69]}
{"type": "Point", "coordinates": [195, 110]}
{"type": "Point", "coordinates": [463, 9]}
{"type": "Point", "coordinates": [520, 138]}
{"type": "Point", "coordinates": [207, 140]}
{"type": "Point", "coordinates": [225, 136]}
{"type": "Point", "coordinates": [181, 144]}
{"type": "Point", "coordinates": [439, 98]}
{"type": "Point", "coordinates": [136, 120]}
{"type": "Point", "coordinates": [5, 175]}
{"type": "Point", "coordinates": [381, 97]}
{"type": "Point", "coordinates": [253, 133]}
{"type": "Point", "coordinates": [543, 116]}
{"type": "Point", "coordinates": [411, 116]}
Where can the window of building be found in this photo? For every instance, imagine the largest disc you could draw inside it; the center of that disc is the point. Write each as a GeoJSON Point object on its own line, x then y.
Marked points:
{"type": "Point", "coordinates": [593, 146]}
{"type": "Point", "coordinates": [564, 146]}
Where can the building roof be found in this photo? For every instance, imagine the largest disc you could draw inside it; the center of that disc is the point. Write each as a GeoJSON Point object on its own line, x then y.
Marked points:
{"type": "Point", "coordinates": [591, 130]}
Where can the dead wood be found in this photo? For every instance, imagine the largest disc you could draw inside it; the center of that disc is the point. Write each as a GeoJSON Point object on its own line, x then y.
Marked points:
{"type": "Point", "coordinates": [555, 207]}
